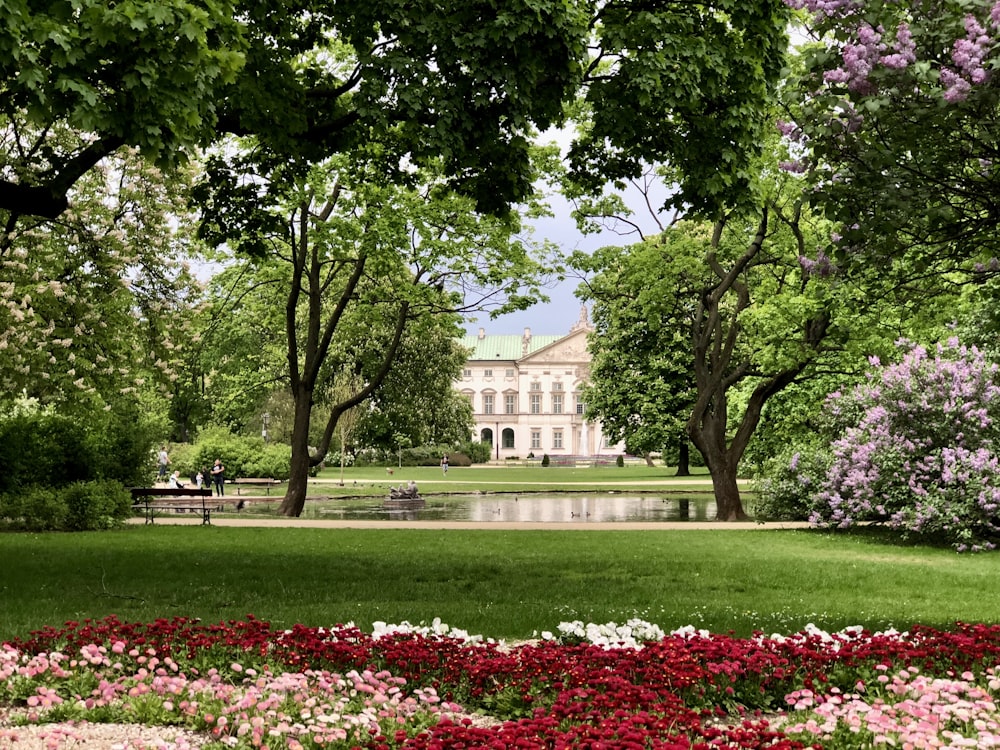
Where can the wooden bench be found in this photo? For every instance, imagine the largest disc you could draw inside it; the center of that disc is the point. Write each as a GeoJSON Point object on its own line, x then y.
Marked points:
{"type": "Point", "coordinates": [265, 482]}
{"type": "Point", "coordinates": [152, 499]}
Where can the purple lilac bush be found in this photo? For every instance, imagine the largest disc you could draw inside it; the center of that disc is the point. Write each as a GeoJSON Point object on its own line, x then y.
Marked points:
{"type": "Point", "coordinates": [913, 447]}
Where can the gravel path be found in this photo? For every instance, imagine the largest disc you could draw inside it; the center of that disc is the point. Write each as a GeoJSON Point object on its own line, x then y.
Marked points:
{"type": "Point", "coordinates": [91, 736]}
{"type": "Point", "coordinates": [582, 525]}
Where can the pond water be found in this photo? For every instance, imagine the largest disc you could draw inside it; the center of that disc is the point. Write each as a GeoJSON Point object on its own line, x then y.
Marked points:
{"type": "Point", "coordinates": [534, 508]}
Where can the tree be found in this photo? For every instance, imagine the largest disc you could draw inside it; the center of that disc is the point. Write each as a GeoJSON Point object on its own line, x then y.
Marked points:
{"type": "Point", "coordinates": [460, 81]}
{"type": "Point", "coordinates": [738, 305]}
{"type": "Point", "coordinates": [96, 304]}
{"type": "Point", "coordinates": [417, 398]}
{"type": "Point", "coordinates": [362, 265]}
{"type": "Point", "coordinates": [688, 85]}
{"type": "Point", "coordinates": [894, 114]}
{"type": "Point", "coordinates": [79, 80]}
{"type": "Point", "coordinates": [640, 385]}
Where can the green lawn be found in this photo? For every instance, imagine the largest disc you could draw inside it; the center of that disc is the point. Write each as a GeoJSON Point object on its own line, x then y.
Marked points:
{"type": "Point", "coordinates": [370, 481]}
{"type": "Point", "coordinates": [499, 583]}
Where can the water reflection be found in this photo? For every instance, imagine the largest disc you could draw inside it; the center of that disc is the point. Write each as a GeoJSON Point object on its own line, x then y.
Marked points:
{"type": "Point", "coordinates": [547, 508]}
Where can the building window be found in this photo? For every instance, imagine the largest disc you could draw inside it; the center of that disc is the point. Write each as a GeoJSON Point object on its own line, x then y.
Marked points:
{"type": "Point", "coordinates": [507, 438]}
{"type": "Point", "coordinates": [536, 386]}
{"type": "Point", "coordinates": [536, 439]}
{"type": "Point", "coordinates": [510, 403]}
{"type": "Point", "coordinates": [557, 386]}
{"type": "Point", "coordinates": [488, 373]}
{"type": "Point", "coordinates": [557, 443]}
{"type": "Point", "coordinates": [579, 406]}
{"type": "Point", "coordinates": [536, 403]}
{"type": "Point", "coordinates": [467, 373]}
{"type": "Point", "coordinates": [487, 403]}
{"type": "Point", "coordinates": [509, 373]}
{"type": "Point", "coordinates": [557, 403]}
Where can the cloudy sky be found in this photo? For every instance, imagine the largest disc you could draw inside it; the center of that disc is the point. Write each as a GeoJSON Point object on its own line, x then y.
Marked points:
{"type": "Point", "coordinates": [563, 311]}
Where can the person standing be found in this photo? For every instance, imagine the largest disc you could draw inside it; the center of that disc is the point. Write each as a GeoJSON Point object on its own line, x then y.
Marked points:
{"type": "Point", "coordinates": [444, 465]}
{"type": "Point", "coordinates": [219, 477]}
{"type": "Point", "coordinates": [162, 461]}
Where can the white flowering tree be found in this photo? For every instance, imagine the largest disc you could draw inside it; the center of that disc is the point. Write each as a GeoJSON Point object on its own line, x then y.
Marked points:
{"type": "Point", "coordinates": [93, 304]}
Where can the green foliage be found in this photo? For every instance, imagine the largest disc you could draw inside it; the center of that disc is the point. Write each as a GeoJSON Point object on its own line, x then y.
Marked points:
{"type": "Point", "coordinates": [87, 77]}
{"type": "Point", "coordinates": [545, 459]}
{"type": "Point", "coordinates": [478, 452]}
{"type": "Point", "coordinates": [80, 506]}
{"type": "Point", "coordinates": [620, 461]}
{"type": "Point", "coordinates": [41, 447]}
{"type": "Point", "coordinates": [686, 85]}
{"type": "Point", "coordinates": [92, 506]}
{"type": "Point", "coordinates": [242, 456]}
{"type": "Point", "coordinates": [37, 509]}
{"type": "Point", "coordinates": [424, 455]}
{"type": "Point", "coordinates": [787, 483]}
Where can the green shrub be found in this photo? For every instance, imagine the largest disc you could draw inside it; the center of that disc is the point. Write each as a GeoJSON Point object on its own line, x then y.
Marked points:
{"type": "Point", "coordinates": [41, 447]}
{"type": "Point", "coordinates": [81, 506]}
{"type": "Point", "coordinates": [42, 509]}
{"type": "Point", "coordinates": [478, 452]}
{"type": "Point", "coordinates": [545, 459]}
{"type": "Point", "coordinates": [620, 461]}
{"type": "Point", "coordinates": [242, 456]}
{"type": "Point", "coordinates": [784, 492]}
{"type": "Point", "coordinates": [93, 506]}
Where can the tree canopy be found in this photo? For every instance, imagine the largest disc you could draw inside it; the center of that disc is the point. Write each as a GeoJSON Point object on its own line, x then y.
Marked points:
{"type": "Point", "coordinates": [462, 82]}
{"type": "Point", "coordinates": [894, 115]}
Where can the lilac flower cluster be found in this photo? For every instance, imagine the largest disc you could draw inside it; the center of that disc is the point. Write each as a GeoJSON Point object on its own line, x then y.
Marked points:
{"type": "Point", "coordinates": [916, 449]}
{"type": "Point", "coordinates": [864, 48]}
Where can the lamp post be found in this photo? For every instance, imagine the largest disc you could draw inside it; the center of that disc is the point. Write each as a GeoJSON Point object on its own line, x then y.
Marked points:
{"type": "Point", "coordinates": [496, 438]}
{"type": "Point", "coordinates": [266, 418]}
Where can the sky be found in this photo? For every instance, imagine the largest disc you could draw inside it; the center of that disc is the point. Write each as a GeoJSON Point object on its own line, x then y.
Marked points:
{"type": "Point", "coordinates": [559, 315]}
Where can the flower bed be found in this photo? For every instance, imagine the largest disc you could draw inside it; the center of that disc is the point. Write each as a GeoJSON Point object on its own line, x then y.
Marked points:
{"type": "Point", "coordinates": [249, 685]}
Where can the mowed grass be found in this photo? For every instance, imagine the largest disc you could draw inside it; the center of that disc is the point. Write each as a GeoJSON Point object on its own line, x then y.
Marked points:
{"type": "Point", "coordinates": [375, 480]}
{"type": "Point", "coordinates": [498, 583]}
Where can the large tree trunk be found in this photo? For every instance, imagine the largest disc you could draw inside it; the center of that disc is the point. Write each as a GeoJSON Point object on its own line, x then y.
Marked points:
{"type": "Point", "coordinates": [728, 503]}
{"type": "Point", "coordinates": [298, 478]}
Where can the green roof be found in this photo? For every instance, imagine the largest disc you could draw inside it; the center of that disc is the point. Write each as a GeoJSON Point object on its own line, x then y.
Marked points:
{"type": "Point", "coordinates": [510, 348]}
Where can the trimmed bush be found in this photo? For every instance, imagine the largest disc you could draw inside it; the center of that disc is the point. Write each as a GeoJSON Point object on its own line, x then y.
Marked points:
{"type": "Point", "coordinates": [81, 506]}
{"type": "Point", "coordinates": [94, 506]}
{"type": "Point", "coordinates": [242, 456]}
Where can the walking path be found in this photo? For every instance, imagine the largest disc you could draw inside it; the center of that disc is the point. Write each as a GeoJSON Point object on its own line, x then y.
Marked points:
{"type": "Point", "coordinates": [583, 525]}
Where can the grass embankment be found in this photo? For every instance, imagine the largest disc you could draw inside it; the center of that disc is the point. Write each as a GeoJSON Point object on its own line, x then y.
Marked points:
{"type": "Point", "coordinates": [499, 583]}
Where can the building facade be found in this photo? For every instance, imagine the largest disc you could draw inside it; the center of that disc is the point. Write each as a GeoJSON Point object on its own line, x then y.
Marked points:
{"type": "Point", "coordinates": [526, 394]}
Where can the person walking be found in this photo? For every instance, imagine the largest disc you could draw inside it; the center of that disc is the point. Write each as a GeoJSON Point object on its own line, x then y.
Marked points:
{"type": "Point", "coordinates": [219, 477]}
{"type": "Point", "coordinates": [162, 461]}
{"type": "Point", "coordinates": [444, 465]}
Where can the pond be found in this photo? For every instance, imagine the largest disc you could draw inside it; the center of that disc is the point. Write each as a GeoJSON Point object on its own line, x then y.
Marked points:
{"type": "Point", "coordinates": [606, 507]}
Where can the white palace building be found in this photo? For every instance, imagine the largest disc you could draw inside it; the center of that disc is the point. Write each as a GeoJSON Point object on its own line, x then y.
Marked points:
{"type": "Point", "coordinates": [526, 394]}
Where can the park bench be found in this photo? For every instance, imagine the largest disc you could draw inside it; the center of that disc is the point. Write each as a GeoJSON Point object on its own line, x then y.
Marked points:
{"type": "Point", "coordinates": [265, 482]}
{"type": "Point", "coordinates": [152, 499]}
